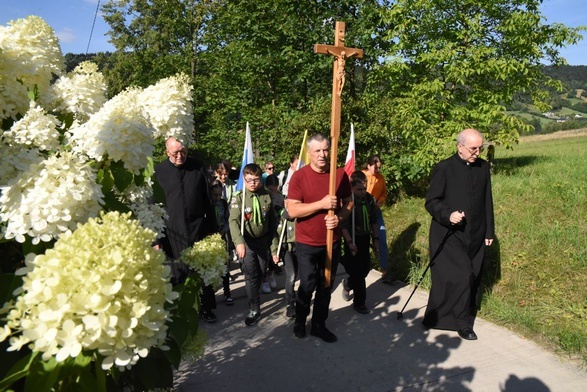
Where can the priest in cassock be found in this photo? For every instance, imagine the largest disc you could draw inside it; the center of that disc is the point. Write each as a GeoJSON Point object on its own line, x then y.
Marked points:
{"type": "Point", "coordinates": [460, 202]}
{"type": "Point", "coordinates": [184, 183]}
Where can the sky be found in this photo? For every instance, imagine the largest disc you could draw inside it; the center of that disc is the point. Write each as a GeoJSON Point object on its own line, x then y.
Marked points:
{"type": "Point", "coordinates": [72, 21]}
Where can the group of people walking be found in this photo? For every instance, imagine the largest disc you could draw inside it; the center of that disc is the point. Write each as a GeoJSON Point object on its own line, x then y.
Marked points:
{"type": "Point", "coordinates": [286, 217]}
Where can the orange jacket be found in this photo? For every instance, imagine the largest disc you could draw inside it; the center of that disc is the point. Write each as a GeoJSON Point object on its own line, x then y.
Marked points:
{"type": "Point", "coordinates": [376, 186]}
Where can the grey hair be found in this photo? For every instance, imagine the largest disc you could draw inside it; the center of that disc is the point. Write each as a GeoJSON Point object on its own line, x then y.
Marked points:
{"type": "Point", "coordinates": [318, 137]}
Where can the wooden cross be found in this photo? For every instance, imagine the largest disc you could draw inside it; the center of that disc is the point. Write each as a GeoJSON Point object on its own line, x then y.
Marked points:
{"type": "Point", "coordinates": [340, 53]}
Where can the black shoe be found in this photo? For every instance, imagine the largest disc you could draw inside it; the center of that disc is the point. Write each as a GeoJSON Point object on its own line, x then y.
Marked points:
{"type": "Point", "coordinates": [361, 309]}
{"type": "Point", "coordinates": [300, 330]}
{"type": "Point", "coordinates": [252, 318]}
{"type": "Point", "coordinates": [323, 333]}
{"type": "Point", "coordinates": [228, 300]}
{"type": "Point", "coordinates": [277, 269]}
{"type": "Point", "coordinates": [346, 291]}
{"type": "Point", "coordinates": [290, 311]}
{"type": "Point", "coordinates": [208, 316]}
{"type": "Point", "coordinates": [467, 333]}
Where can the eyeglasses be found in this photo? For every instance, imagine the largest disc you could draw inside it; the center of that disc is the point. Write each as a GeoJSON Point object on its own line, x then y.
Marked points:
{"type": "Point", "coordinates": [252, 180]}
{"type": "Point", "coordinates": [178, 153]}
{"type": "Point", "coordinates": [474, 150]}
{"type": "Point", "coordinates": [270, 168]}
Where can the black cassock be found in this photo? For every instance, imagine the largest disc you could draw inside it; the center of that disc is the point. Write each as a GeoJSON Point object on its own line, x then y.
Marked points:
{"type": "Point", "coordinates": [186, 200]}
{"type": "Point", "coordinates": [456, 185]}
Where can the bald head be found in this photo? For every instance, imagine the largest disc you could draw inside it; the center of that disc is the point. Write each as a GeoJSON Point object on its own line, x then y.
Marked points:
{"type": "Point", "coordinates": [469, 144]}
{"type": "Point", "coordinates": [467, 134]}
{"type": "Point", "coordinates": [176, 152]}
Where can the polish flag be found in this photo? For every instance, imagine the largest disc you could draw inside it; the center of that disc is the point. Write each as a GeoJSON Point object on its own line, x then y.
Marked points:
{"type": "Point", "coordinates": [349, 165]}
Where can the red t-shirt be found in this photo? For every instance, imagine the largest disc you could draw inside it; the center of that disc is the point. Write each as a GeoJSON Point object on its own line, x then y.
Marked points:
{"type": "Point", "coordinates": [308, 186]}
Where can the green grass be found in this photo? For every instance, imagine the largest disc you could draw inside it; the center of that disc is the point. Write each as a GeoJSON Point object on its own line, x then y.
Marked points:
{"type": "Point", "coordinates": [536, 272]}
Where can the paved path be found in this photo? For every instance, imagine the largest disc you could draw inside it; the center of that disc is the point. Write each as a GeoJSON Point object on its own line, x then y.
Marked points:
{"type": "Point", "coordinates": [374, 352]}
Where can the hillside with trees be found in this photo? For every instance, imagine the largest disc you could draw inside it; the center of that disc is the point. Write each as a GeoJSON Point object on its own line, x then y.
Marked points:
{"type": "Point", "coordinates": [568, 107]}
{"type": "Point", "coordinates": [574, 77]}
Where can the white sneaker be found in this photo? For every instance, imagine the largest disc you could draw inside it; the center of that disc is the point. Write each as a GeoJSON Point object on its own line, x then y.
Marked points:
{"type": "Point", "coordinates": [265, 288]}
{"type": "Point", "coordinates": [272, 282]}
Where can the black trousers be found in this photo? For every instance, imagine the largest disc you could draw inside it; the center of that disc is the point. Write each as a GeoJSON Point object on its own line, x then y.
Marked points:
{"type": "Point", "coordinates": [254, 267]}
{"type": "Point", "coordinates": [358, 267]}
{"type": "Point", "coordinates": [311, 265]}
{"type": "Point", "coordinates": [290, 261]}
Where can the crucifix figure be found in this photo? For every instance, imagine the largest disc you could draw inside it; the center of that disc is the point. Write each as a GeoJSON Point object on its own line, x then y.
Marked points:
{"type": "Point", "coordinates": [340, 53]}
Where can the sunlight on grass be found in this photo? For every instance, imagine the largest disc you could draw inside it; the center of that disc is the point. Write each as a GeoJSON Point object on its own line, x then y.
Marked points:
{"type": "Point", "coordinates": [536, 273]}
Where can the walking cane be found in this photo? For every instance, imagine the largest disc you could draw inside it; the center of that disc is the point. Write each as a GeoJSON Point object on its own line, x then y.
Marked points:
{"type": "Point", "coordinates": [400, 315]}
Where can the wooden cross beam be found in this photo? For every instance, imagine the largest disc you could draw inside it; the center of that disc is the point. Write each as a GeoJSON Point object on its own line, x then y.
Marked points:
{"type": "Point", "coordinates": [340, 53]}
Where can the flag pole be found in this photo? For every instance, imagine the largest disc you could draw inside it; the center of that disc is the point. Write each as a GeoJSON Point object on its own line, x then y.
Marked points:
{"type": "Point", "coordinates": [353, 218]}
{"type": "Point", "coordinates": [243, 211]}
{"type": "Point", "coordinates": [281, 237]}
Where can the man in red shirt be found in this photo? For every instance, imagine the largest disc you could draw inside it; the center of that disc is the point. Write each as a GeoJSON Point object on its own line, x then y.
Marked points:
{"type": "Point", "coordinates": [309, 201]}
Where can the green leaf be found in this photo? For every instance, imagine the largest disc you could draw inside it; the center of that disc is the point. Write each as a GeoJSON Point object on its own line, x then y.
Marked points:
{"type": "Point", "coordinates": [42, 375]}
{"type": "Point", "coordinates": [179, 329]}
{"type": "Point", "coordinates": [139, 179]}
{"type": "Point", "coordinates": [111, 203]}
{"type": "Point", "coordinates": [18, 371]}
{"type": "Point", "coordinates": [8, 283]}
{"type": "Point", "coordinates": [148, 171]}
{"type": "Point", "coordinates": [153, 372]}
{"type": "Point", "coordinates": [83, 360]}
{"type": "Point", "coordinates": [86, 381]}
{"type": "Point", "coordinates": [173, 355]}
{"type": "Point", "coordinates": [66, 120]}
{"type": "Point", "coordinates": [158, 193]}
{"type": "Point", "coordinates": [106, 179]}
{"type": "Point", "coordinates": [40, 248]}
{"type": "Point", "coordinates": [122, 177]}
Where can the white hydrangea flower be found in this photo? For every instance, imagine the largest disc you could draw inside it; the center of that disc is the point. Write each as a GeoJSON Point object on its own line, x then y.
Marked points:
{"type": "Point", "coordinates": [30, 55]}
{"type": "Point", "coordinates": [169, 107]}
{"type": "Point", "coordinates": [119, 131]}
{"type": "Point", "coordinates": [137, 194]}
{"type": "Point", "coordinates": [48, 199]}
{"type": "Point", "coordinates": [35, 129]}
{"type": "Point", "coordinates": [14, 98]}
{"type": "Point", "coordinates": [15, 160]}
{"type": "Point", "coordinates": [102, 287]}
{"type": "Point", "coordinates": [208, 258]}
{"type": "Point", "coordinates": [82, 91]}
{"type": "Point", "coordinates": [150, 216]}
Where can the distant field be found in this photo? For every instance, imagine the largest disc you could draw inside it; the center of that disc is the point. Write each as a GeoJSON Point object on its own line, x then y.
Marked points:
{"type": "Point", "coordinates": [536, 273]}
{"type": "Point", "coordinates": [555, 135]}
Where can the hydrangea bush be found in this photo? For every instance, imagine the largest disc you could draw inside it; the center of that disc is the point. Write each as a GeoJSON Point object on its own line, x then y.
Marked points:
{"type": "Point", "coordinates": [93, 297]}
{"type": "Point", "coordinates": [101, 287]}
{"type": "Point", "coordinates": [208, 258]}
{"type": "Point", "coordinates": [50, 198]}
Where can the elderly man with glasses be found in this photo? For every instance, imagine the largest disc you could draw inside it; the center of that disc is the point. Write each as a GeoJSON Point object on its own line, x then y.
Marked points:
{"type": "Point", "coordinates": [460, 202]}
{"type": "Point", "coordinates": [183, 180]}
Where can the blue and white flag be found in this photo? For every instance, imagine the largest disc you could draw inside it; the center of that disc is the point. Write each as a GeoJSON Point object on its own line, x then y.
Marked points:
{"type": "Point", "coordinates": [247, 158]}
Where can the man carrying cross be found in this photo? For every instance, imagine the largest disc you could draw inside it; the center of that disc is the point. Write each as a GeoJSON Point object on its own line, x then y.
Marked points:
{"type": "Point", "coordinates": [321, 192]}
{"type": "Point", "coordinates": [309, 201]}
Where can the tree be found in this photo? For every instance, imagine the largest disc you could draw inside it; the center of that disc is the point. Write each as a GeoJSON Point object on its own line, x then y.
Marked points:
{"type": "Point", "coordinates": [154, 38]}
{"type": "Point", "coordinates": [456, 64]}
{"type": "Point", "coordinates": [261, 68]}
{"type": "Point", "coordinates": [430, 69]}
